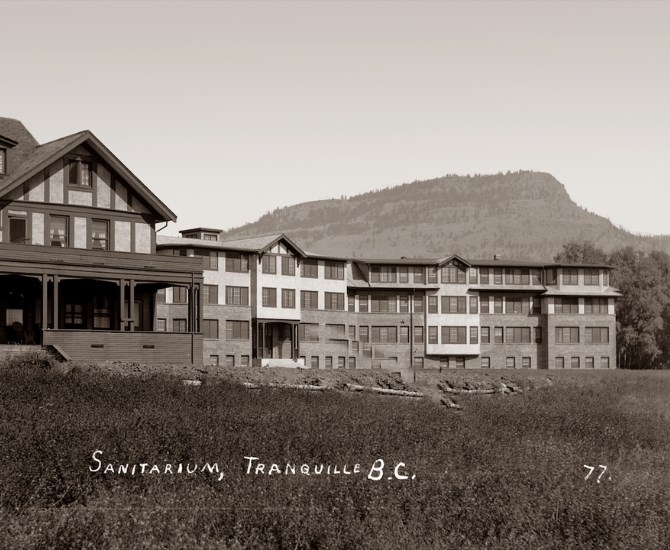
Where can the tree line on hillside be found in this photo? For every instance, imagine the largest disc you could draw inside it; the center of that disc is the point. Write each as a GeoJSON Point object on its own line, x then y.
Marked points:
{"type": "Point", "coordinates": [643, 310]}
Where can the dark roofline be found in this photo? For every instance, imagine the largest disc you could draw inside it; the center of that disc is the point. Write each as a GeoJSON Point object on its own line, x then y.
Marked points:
{"type": "Point", "coordinates": [207, 229]}
{"type": "Point", "coordinates": [593, 266]}
{"type": "Point", "coordinates": [8, 142]}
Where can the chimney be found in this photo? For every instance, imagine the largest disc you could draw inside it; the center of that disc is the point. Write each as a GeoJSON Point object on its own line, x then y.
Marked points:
{"type": "Point", "coordinates": [497, 256]}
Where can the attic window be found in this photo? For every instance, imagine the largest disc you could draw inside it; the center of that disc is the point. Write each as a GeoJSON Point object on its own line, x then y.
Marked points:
{"type": "Point", "coordinates": [80, 173]}
{"type": "Point", "coordinates": [3, 160]}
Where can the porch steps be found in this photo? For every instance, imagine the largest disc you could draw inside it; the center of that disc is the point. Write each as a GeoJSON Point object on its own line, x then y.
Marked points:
{"type": "Point", "coordinates": [57, 352]}
{"type": "Point", "coordinates": [283, 363]}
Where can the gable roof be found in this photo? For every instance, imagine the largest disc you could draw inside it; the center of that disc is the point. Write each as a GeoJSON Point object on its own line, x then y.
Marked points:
{"type": "Point", "coordinates": [43, 155]}
{"type": "Point", "coordinates": [259, 245]}
{"type": "Point", "coordinates": [447, 259]}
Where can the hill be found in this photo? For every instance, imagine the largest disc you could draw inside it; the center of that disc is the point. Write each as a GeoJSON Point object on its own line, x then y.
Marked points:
{"type": "Point", "coordinates": [521, 215]}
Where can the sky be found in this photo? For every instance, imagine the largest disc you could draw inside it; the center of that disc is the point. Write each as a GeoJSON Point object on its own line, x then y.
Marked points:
{"type": "Point", "coordinates": [228, 110]}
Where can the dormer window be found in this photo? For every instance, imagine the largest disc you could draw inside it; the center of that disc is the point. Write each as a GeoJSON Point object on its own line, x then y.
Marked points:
{"type": "Point", "coordinates": [80, 173]}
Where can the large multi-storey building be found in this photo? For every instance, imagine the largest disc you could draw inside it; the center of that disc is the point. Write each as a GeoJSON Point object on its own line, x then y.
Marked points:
{"type": "Point", "coordinates": [266, 301]}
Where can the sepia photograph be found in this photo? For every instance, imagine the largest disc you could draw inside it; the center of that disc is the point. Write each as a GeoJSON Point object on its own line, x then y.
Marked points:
{"type": "Point", "coordinates": [376, 274]}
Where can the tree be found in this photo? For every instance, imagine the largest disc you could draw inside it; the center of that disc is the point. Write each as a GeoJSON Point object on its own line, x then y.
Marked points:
{"type": "Point", "coordinates": [584, 252]}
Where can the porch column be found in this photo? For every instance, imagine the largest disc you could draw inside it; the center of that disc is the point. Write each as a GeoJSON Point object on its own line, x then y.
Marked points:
{"type": "Point", "coordinates": [201, 306]}
{"type": "Point", "coordinates": [296, 343]}
{"type": "Point", "coordinates": [189, 308]}
{"type": "Point", "coordinates": [45, 297]}
{"type": "Point", "coordinates": [122, 304]}
{"type": "Point", "coordinates": [261, 327]}
{"type": "Point", "coordinates": [55, 312]}
{"type": "Point", "coordinates": [131, 306]}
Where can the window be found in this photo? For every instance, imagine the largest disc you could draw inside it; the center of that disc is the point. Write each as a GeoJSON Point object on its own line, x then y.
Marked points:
{"type": "Point", "coordinates": [432, 275]}
{"type": "Point", "coordinates": [179, 325]}
{"type": "Point", "coordinates": [559, 362]}
{"type": "Point", "coordinates": [210, 294]}
{"type": "Point", "coordinates": [484, 304]}
{"type": "Point", "coordinates": [595, 305]}
{"type": "Point", "coordinates": [334, 301]}
{"type": "Point", "coordinates": [314, 361]}
{"type": "Point", "coordinates": [237, 296]}
{"type": "Point", "coordinates": [352, 362]}
{"type": "Point", "coordinates": [58, 230]}
{"type": "Point", "coordinates": [269, 297]}
{"type": "Point", "coordinates": [309, 269]}
{"type": "Point", "coordinates": [161, 325]}
{"type": "Point", "coordinates": [453, 275]}
{"type": "Point", "coordinates": [588, 362]}
{"type": "Point", "coordinates": [486, 335]}
{"type": "Point", "coordinates": [517, 305]}
{"type": "Point", "coordinates": [567, 335]}
{"type": "Point", "coordinates": [604, 362]}
{"type": "Point", "coordinates": [354, 346]}
{"type": "Point", "coordinates": [18, 226]}
{"type": "Point", "coordinates": [419, 276]}
{"type": "Point", "coordinates": [99, 234]}
{"type": "Point", "coordinates": [383, 304]}
{"type": "Point", "coordinates": [352, 332]}
{"type": "Point", "coordinates": [473, 304]}
{"type": "Point", "coordinates": [518, 335]}
{"type": "Point", "coordinates": [209, 237]}
{"type": "Point", "coordinates": [574, 362]}
{"type": "Point", "coordinates": [384, 335]}
{"type": "Point", "coordinates": [498, 336]}
{"type": "Point", "coordinates": [570, 276]}
{"type": "Point", "coordinates": [418, 304]}
{"type": "Point", "coordinates": [308, 332]}
{"type": "Point", "coordinates": [591, 277]}
{"type": "Point", "coordinates": [517, 277]}
{"type": "Point", "coordinates": [444, 363]}
{"type": "Point", "coordinates": [244, 361]}
{"type": "Point", "coordinates": [3, 161]}
{"type": "Point", "coordinates": [403, 274]}
{"type": "Point", "coordinates": [538, 335]}
{"type": "Point", "coordinates": [535, 276]}
{"type": "Point", "coordinates": [510, 363]}
{"type": "Point", "coordinates": [101, 312]}
{"type": "Point", "coordinates": [525, 362]}
{"type": "Point", "coordinates": [309, 299]}
{"type": "Point", "coordinates": [497, 304]}
{"type": "Point", "coordinates": [237, 330]}
{"type": "Point", "coordinates": [288, 298]}
{"type": "Point", "coordinates": [403, 304]}
{"type": "Point", "coordinates": [237, 263]}
{"type": "Point", "coordinates": [341, 362]}
{"type": "Point", "coordinates": [597, 335]}
{"type": "Point", "coordinates": [382, 274]}
{"type": "Point", "coordinates": [160, 296]}
{"type": "Point", "coordinates": [288, 265]}
{"type": "Point", "coordinates": [179, 295]}
{"type": "Point", "coordinates": [537, 305]}
{"type": "Point", "coordinates": [418, 362]}
{"type": "Point", "coordinates": [432, 335]}
{"type": "Point", "coordinates": [474, 338]}
{"type": "Point", "coordinates": [473, 276]}
{"type": "Point", "coordinates": [210, 259]}
{"type": "Point", "coordinates": [551, 278]}
{"type": "Point", "coordinates": [210, 329]}
{"type": "Point", "coordinates": [566, 305]}
{"type": "Point", "coordinates": [460, 362]}
{"type": "Point", "coordinates": [454, 335]}
{"type": "Point", "coordinates": [497, 276]}
{"type": "Point", "coordinates": [230, 361]}
{"type": "Point", "coordinates": [79, 173]}
{"type": "Point", "coordinates": [486, 362]}
{"type": "Point", "coordinates": [418, 335]}
{"type": "Point", "coordinates": [214, 360]}
{"type": "Point", "coordinates": [363, 304]}
{"type": "Point", "coordinates": [364, 334]}
{"type": "Point", "coordinates": [432, 304]}
{"type": "Point", "coordinates": [334, 270]}
{"type": "Point", "coordinates": [484, 275]}
{"type": "Point", "coordinates": [606, 278]}
{"type": "Point", "coordinates": [269, 264]}
{"type": "Point", "coordinates": [453, 304]}
{"type": "Point", "coordinates": [351, 303]}
{"type": "Point", "coordinates": [329, 362]}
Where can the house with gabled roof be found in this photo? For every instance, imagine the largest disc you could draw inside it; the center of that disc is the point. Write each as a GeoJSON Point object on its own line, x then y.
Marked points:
{"type": "Point", "coordinates": [78, 265]}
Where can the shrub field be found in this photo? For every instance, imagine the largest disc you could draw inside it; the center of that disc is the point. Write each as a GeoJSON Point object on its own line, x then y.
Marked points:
{"type": "Point", "coordinates": [504, 472]}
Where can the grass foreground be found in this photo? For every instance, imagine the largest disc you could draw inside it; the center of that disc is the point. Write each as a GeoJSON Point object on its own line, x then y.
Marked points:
{"type": "Point", "coordinates": [505, 472]}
